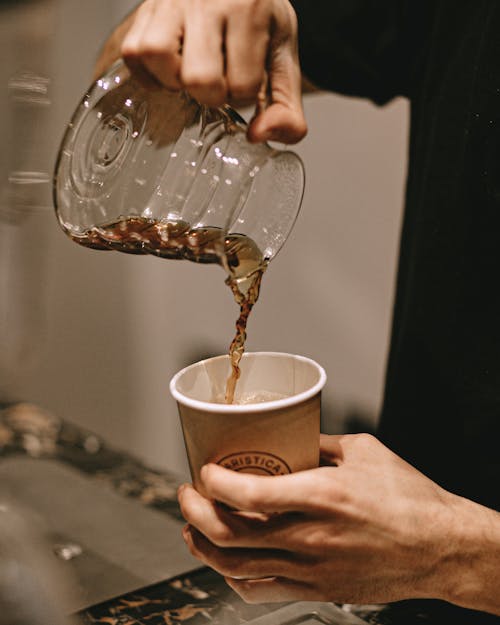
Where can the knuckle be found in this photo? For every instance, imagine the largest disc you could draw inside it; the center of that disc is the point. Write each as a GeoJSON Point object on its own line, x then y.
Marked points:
{"type": "Point", "coordinates": [240, 90]}
{"type": "Point", "coordinates": [364, 440]}
{"type": "Point", "coordinates": [287, 25]}
{"type": "Point", "coordinates": [146, 6]}
{"type": "Point", "coordinates": [231, 567]}
{"type": "Point", "coordinates": [221, 535]}
{"type": "Point", "coordinates": [199, 79]}
{"type": "Point", "coordinates": [166, 50]}
{"type": "Point", "coordinates": [327, 494]}
{"type": "Point", "coordinates": [150, 51]}
{"type": "Point", "coordinates": [341, 498]}
{"type": "Point", "coordinates": [293, 22]}
{"type": "Point", "coordinates": [130, 48]}
{"type": "Point", "coordinates": [259, 16]}
{"type": "Point", "coordinates": [289, 17]}
{"type": "Point", "coordinates": [224, 563]}
{"type": "Point", "coordinates": [252, 498]}
{"type": "Point", "coordinates": [252, 6]}
{"type": "Point", "coordinates": [301, 129]}
{"type": "Point", "coordinates": [259, 6]}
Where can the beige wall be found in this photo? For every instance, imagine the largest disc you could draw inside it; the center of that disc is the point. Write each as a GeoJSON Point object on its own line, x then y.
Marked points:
{"type": "Point", "coordinates": [118, 326]}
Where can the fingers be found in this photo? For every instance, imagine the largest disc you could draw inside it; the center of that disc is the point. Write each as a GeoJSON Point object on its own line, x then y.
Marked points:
{"type": "Point", "coordinates": [258, 575]}
{"type": "Point", "coordinates": [203, 72]}
{"type": "Point", "coordinates": [274, 590]}
{"type": "Point", "coordinates": [283, 120]}
{"type": "Point", "coordinates": [153, 43]}
{"type": "Point", "coordinates": [224, 51]}
{"type": "Point", "coordinates": [292, 532]}
{"type": "Point", "coordinates": [211, 519]}
{"type": "Point", "coordinates": [241, 563]}
{"type": "Point", "coordinates": [297, 492]}
{"type": "Point", "coordinates": [253, 493]}
{"type": "Point", "coordinates": [247, 40]}
{"type": "Point", "coordinates": [224, 527]}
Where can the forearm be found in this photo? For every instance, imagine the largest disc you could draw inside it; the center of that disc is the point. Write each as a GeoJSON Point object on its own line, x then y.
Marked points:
{"type": "Point", "coordinates": [471, 570]}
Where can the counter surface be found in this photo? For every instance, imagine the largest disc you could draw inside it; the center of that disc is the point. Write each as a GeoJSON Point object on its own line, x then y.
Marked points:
{"type": "Point", "coordinates": [192, 594]}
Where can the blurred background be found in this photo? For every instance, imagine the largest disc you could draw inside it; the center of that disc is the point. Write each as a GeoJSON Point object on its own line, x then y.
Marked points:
{"type": "Point", "coordinates": [94, 337]}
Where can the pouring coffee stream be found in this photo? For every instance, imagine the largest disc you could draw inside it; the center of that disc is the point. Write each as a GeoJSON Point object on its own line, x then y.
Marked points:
{"type": "Point", "coordinates": [240, 257]}
{"type": "Point", "coordinates": [143, 170]}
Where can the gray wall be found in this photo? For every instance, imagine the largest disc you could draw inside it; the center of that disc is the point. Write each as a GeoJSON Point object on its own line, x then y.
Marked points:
{"type": "Point", "coordinates": [114, 328]}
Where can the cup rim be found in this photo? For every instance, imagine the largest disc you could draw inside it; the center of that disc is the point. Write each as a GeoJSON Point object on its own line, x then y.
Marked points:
{"type": "Point", "coordinates": [275, 404]}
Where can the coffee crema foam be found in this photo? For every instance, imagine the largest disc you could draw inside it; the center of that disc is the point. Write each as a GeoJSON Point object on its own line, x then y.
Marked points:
{"type": "Point", "coordinates": [257, 397]}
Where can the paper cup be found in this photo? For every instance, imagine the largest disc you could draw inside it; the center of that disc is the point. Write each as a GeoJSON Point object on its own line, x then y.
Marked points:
{"type": "Point", "coordinates": [270, 437]}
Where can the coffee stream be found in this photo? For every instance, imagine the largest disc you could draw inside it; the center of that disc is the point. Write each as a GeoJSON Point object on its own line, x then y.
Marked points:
{"type": "Point", "coordinates": [237, 347]}
{"type": "Point", "coordinates": [237, 254]}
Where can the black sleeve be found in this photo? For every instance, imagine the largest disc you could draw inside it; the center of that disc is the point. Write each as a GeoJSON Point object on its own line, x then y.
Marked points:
{"type": "Point", "coordinates": [366, 48]}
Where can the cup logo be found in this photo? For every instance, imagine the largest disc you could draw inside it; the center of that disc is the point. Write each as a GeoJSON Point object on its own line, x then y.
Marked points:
{"type": "Point", "coordinates": [259, 462]}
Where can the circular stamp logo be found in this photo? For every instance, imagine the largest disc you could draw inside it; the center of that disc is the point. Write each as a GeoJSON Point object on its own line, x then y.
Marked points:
{"type": "Point", "coordinates": [259, 462]}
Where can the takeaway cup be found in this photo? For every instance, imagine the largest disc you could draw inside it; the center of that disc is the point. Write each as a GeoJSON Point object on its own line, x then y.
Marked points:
{"type": "Point", "coordinates": [273, 426]}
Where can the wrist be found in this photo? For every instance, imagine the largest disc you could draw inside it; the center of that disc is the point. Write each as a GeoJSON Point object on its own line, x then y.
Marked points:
{"type": "Point", "coordinates": [468, 570]}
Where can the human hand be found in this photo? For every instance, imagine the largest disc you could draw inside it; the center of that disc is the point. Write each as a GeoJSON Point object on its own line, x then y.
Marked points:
{"type": "Point", "coordinates": [236, 51]}
{"type": "Point", "coordinates": [367, 527]}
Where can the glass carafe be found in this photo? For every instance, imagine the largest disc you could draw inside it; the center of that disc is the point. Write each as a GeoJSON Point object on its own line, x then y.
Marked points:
{"type": "Point", "coordinates": [145, 170]}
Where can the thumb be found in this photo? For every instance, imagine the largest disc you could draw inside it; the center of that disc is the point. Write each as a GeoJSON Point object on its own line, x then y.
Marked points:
{"type": "Point", "coordinates": [283, 118]}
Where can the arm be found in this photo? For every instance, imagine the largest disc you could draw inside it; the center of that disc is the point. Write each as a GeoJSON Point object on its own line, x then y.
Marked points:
{"type": "Point", "coordinates": [239, 51]}
{"type": "Point", "coordinates": [366, 528]}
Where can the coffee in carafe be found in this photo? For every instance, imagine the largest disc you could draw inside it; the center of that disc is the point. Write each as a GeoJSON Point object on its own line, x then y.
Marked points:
{"type": "Point", "coordinates": [237, 253]}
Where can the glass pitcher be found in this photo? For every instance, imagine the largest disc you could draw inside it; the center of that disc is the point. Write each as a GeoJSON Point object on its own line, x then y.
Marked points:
{"type": "Point", "coordinates": [145, 170]}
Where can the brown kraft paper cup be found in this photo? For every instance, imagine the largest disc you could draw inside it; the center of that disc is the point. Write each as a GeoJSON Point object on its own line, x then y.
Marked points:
{"type": "Point", "coordinates": [273, 437]}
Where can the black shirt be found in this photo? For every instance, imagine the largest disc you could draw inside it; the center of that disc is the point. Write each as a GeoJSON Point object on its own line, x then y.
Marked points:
{"type": "Point", "coordinates": [441, 408]}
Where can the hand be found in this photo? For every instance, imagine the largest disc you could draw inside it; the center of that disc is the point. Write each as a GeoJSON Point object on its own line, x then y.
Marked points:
{"type": "Point", "coordinates": [236, 51]}
{"type": "Point", "coordinates": [366, 528]}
